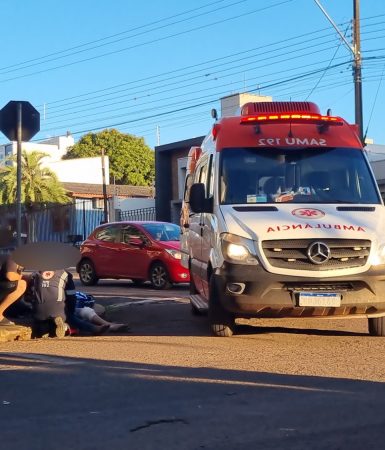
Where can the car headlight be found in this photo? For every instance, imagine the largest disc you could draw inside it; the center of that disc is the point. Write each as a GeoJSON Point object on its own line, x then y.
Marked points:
{"type": "Point", "coordinates": [174, 253]}
{"type": "Point", "coordinates": [238, 250]}
{"type": "Point", "coordinates": [378, 257]}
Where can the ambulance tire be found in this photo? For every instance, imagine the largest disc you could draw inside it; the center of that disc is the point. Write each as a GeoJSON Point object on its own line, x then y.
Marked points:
{"type": "Point", "coordinates": [222, 322]}
{"type": "Point", "coordinates": [377, 326]}
{"type": "Point", "coordinates": [194, 311]}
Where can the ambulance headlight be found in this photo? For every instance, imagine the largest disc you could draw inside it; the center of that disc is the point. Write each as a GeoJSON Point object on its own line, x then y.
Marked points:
{"type": "Point", "coordinates": [238, 250]}
{"type": "Point", "coordinates": [378, 257]}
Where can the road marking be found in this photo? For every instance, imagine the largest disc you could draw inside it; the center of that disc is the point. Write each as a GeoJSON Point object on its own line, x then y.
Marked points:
{"type": "Point", "coordinates": [46, 359]}
{"type": "Point", "coordinates": [131, 297]}
{"type": "Point", "coordinates": [137, 301]}
{"type": "Point", "coordinates": [240, 383]}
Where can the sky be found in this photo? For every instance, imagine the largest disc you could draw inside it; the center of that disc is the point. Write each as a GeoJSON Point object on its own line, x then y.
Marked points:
{"type": "Point", "coordinates": [155, 69]}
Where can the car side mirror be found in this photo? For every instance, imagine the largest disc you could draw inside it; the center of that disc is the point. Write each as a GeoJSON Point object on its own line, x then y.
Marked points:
{"type": "Point", "coordinates": [198, 201]}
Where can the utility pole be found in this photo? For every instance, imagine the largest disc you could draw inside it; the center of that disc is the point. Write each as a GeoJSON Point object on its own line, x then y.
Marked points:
{"type": "Point", "coordinates": [357, 64]}
{"type": "Point", "coordinates": [19, 132]}
{"type": "Point", "coordinates": [357, 69]}
{"type": "Point", "coordinates": [105, 200]}
{"type": "Point", "coordinates": [157, 135]}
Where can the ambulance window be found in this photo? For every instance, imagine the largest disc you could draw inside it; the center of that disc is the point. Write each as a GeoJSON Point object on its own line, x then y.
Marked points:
{"type": "Point", "coordinates": [210, 178]}
{"type": "Point", "coordinates": [295, 175]}
{"type": "Point", "coordinates": [187, 186]}
{"type": "Point", "coordinates": [202, 175]}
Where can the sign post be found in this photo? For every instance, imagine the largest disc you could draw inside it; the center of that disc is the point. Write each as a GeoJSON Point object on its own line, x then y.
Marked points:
{"type": "Point", "coordinates": [19, 121]}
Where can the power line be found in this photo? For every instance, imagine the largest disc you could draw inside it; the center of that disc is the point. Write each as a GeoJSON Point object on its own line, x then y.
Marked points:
{"type": "Point", "coordinates": [171, 87]}
{"type": "Point", "coordinates": [119, 34]}
{"type": "Point", "coordinates": [198, 104]}
{"type": "Point", "coordinates": [185, 68]}
{"type": "Point", "coordinates": [375, 101]}
{"type": "Point", "coordinates": [146, 90]}
{"type": "Point", "coordinates": [268, 76]}
{"type": "Point", "coordinates": [323, 73]}
{"type": "Point", "coordinates": [147, 42]}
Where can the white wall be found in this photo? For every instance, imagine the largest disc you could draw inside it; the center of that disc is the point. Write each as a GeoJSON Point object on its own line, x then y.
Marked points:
{"type": "Point", "coordinates": [231, 105]}
{"type": "Point", "coordinates": [80, 170]}
{"type": "Point", "coordinates": [55, 147]}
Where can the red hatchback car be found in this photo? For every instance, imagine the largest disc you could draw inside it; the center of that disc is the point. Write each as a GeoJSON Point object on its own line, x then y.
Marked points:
{"type": "Point", "coordinates": [139, 251]}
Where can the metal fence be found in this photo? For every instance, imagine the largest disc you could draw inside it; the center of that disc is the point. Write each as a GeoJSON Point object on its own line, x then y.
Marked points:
{"type": "Point", "coordinates": [70, 223]}
{"type": "Point", "coordinates": [138, 214]}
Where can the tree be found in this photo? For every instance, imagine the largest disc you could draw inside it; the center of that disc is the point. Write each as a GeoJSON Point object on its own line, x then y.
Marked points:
{"type": "Point", "coordinates": [131, 160]}
{"type": "Point", "coordinates": [38, 184]}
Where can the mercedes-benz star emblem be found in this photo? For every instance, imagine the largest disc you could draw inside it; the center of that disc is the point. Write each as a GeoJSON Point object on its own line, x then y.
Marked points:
{"type": "Point", "coordinates": [318, 253]}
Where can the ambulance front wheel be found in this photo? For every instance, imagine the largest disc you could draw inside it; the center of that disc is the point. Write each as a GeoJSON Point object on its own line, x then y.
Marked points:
{"type": "Point", "coordinates": [222, 322]}
{"type": "Point", "coordinates": [377, 326]}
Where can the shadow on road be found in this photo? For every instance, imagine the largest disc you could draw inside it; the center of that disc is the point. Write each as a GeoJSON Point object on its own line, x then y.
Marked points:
{"type": "Point", "coordinates": [174, 318]}
{"type": "Point", "coordinates": [57, 402]}
{"type": "Point", "coordinates": [248, 329]}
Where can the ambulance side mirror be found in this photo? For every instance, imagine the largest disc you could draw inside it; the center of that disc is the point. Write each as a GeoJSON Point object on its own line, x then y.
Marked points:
{"type": "Point", "coordinates": [198, 201]}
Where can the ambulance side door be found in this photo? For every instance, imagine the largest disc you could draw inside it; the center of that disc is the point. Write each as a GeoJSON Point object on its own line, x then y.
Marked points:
{"type": "Point", "coordinates": [196, 230]}
{"type": "Point", "coordinates": [208, 223]}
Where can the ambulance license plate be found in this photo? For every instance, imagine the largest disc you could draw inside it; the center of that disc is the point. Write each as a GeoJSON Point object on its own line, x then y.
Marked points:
{"type": "Point", "coordinates": [319, 299]}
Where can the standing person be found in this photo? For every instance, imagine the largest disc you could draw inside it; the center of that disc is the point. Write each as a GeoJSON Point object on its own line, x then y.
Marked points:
{"type": "Point", "coordinates": [12, 287]}
{"type": "Point", "coordinates": [54, 302]}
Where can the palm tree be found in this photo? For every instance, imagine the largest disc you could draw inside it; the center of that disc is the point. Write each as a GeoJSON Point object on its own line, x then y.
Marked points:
{"type": "Point", "coordinates": [39, 185]}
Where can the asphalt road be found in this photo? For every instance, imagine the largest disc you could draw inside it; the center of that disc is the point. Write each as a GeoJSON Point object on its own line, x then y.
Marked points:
{"type": "Point", "coordinates": [168, 384]}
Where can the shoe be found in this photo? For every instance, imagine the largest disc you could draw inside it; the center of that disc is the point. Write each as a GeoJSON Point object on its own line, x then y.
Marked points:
{"type": "Point", "coordinates": [4, 321]}
{"type": "Point", "coordinates": [60, 327]}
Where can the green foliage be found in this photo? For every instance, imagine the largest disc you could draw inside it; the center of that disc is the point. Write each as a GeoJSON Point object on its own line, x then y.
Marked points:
{"type": "Point", "coordinates": [38, 184]}
{"type": "Point", "coordinates": [131, 160]}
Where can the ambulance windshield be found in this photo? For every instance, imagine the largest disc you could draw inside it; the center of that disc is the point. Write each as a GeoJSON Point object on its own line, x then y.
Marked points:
{"type": "Point", "coordinates": [306, 175]}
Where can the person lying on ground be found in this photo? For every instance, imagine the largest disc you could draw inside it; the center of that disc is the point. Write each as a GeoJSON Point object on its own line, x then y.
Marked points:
{"type": "Point", "coordinates": [12, 287]}
{"type": "Point", "coordinates": [84, 310]}
{"type": "Point", "coordinates": [53, 304]}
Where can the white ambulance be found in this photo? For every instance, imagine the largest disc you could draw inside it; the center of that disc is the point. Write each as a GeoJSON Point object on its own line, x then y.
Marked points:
{"type": "Point", "coordinates": [283, 218]}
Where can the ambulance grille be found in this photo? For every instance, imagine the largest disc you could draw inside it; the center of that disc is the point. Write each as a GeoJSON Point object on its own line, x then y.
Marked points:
{"type": "Point", "coordinates": [293, 253]}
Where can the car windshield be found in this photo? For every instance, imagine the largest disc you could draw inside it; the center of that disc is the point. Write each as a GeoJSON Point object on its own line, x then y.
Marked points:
{"type": "Point", "coordinates": [306, 175]}
{"type": "Point", "coordinates": [163, 231]}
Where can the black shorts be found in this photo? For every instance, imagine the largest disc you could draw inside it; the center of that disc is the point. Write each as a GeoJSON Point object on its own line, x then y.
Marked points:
{"type": "Point", "coordinates": [6, 287]}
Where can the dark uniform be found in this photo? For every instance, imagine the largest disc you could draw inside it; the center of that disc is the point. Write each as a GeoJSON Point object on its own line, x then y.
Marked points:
{"type": "Point", "coordinates": [53, 297]}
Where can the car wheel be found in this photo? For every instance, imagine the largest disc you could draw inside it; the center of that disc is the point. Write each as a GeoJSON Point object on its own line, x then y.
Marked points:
{"type": "Point", "coordinates": [377, 326]}
{"type": "Point", "coordinates": [159, 276]}
{"type": "Point", "coordinates": [87, 273]}
{"type": "Point", "coordinates": [222, 322]}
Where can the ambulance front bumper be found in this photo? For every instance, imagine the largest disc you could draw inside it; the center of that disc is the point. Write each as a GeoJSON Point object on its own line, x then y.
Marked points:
{"type": "Point", "coordinates": [252, 291]}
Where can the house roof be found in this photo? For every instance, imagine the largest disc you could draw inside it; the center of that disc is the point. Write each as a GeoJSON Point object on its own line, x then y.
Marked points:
{"type": "Point", "coordinates": [87, 190]}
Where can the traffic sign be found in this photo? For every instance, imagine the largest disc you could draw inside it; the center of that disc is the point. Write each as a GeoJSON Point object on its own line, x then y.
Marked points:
{"type": "Point", "coordinates": [30, 120]}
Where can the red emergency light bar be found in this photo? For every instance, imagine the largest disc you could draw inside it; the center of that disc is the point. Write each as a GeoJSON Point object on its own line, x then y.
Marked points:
{"type": "Point", "coordinates": [317, 119]}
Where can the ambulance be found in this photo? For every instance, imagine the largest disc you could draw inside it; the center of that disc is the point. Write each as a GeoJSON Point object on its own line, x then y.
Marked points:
{"type": "Point", "coordinates": [283, 218]}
